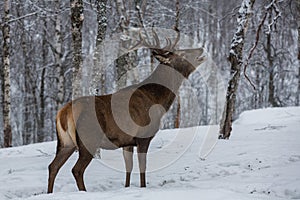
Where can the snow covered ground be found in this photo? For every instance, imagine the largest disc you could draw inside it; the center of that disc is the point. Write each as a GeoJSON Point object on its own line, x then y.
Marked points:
{"type": "Point", "coordinates": [260, 161]}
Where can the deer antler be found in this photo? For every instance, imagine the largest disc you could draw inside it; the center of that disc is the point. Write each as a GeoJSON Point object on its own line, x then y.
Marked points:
{"type": "Point", "coordinates": [177, 37]}
{"type": "Point", "coordinates": [169, 47]}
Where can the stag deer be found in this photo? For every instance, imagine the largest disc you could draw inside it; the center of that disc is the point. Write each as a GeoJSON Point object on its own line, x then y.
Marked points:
{"type": "Point", "coordinates": [127, 118]}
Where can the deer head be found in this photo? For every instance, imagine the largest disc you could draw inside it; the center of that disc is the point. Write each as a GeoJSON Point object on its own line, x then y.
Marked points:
{"type": "Point", "coordinates": [183, 60]}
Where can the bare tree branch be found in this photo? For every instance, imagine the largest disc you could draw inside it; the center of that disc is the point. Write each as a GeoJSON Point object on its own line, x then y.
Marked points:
{"type": "Point", "coordinates": [253, 48]}
{"type": "Point", "coordinates": [19, 18]}
{"type": "Point", "coordinates": [271, 6]}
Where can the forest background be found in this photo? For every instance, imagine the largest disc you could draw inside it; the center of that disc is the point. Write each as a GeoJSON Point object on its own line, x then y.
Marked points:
{"type": "Point", "coordinates": [40, 57]}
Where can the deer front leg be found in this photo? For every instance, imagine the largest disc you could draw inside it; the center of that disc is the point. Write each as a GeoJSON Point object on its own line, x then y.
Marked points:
{"type": "Point", "coordinates": [128, 158]}
{"type": "Point", "coordinates": [142, 149]}
{"type": "Point", "coordinates": [142, 157]}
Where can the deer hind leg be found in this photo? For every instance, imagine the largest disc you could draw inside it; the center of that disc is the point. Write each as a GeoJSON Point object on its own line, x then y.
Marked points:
{"type": "Point", "coordinates": [142, 149]}
{"type": "Point", "coordinates": [62, 155]}
{"type": "Point", "coordinates": [128, 158]}
{"type": "Point", "coordinates": [85, 157]}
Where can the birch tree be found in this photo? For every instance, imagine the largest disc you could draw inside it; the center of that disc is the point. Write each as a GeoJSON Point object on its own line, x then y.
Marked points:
{"type": "Point", "coordinates": [130, 14]}
{"type": "Point", "coordinates": [236, 60]}
{"type": "Point", "coordinates": [6, 76]}
{"type": "Point", "coordinates": [77, 18]}
{"type": "Point", "coordinates": [123, 61]}
{"type": "Point", "coordinates": [101, 30]}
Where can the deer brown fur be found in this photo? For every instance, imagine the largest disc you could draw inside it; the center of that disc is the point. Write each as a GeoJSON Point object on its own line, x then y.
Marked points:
{"type": "Point", "coordinates": [92, 122]}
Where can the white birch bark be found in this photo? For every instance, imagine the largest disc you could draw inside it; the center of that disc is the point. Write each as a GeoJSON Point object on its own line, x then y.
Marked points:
{"type": "Point", "coordinates": [77, 18]}
{"type": "Point", "coordinates": [236, 60]}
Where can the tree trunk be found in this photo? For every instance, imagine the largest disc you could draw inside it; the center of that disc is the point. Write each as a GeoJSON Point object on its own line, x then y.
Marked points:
{"type": "Point", "coordinates": [298, 20]}
{"type": "Point", "coordinates": [205, 109]}
{"type": "Point", "coordinates": [121, 62]}
{"type": "Point", "coordinates": [27, 100]}
{"type": "Point", "coordinates": [41, 123]}
{"type": "Point", "coordinates": [126, 62]}
{"type": "Point", "coordinates": [101, 30]}
{"type": "Point", "coordinates": [27, 132]}
{"type": "Point", "coordinates": [60, 82]}
{"type": "Point", "coordinates": [236, 60]}
{"type": "Point", "coordinates": [2, 101]}
{"type": "Point", "coordinates": [177, 117]}
{"type": "Point", "coordinates": [41, 133]}
{"type": "Point", "coordinates": [77, 18]}
{"type": "Point", "coordinates": [257, 96]}
{"type": "Point", "coordinates": [271, 98]}
{"type": "Point", "coordinates": [6, 76]}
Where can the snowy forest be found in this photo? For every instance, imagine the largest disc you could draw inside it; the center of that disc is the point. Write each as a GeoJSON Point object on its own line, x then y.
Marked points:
{"type": "Point", "coordinates": [46, 45]}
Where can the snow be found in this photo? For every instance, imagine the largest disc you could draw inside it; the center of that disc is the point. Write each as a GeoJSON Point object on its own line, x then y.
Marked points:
{"type": "Point", "coordinates": [260, 161]}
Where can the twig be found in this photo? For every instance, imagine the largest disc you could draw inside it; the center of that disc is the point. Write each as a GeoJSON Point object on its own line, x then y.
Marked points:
{"type": "Point", "coordinates": [43, 153]}
{"type": "Point", "coordinates": [22, 17]}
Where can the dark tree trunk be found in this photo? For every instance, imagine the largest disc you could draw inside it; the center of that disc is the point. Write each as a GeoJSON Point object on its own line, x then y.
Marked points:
{"type": "Point", "coordinates": [41, 108]}
{"type": "Point", "coordinates": [77, 18]}
{"type": "Point", "coordinates": [272, 98]}
{"type": "Point", "coordinates": [41, 123]}
{"type": "Point", "coordinates": [298, 20]}
{"type": "Point", "coordinates": [6, 76]}
{"type": "Point", "coordinates": [60, 81]}
{"type": "Point", "coordinates": [236, 61]}
{"type": "Point", "coordinates": [177, 118]}
{"type": "Point", "coordinates": [28, 96]}
{"type": "Point", "coordinates": [101, 30]}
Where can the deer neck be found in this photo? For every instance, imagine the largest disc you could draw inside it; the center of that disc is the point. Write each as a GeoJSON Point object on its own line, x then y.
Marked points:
{"type": "Point", "coordinates": [163, 85]}
{"type": "Point", "coordinates": [166, 76]}
{"type": "Point", "coordinates": [182, 66]}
